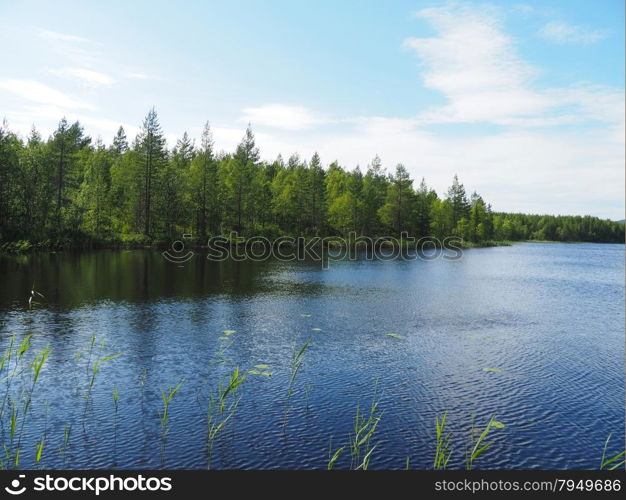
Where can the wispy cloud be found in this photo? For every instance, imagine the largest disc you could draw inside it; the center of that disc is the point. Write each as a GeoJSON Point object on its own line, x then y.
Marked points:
{"type": "Point", "coordinates": [283, 117]}
{"type": "Point", "coordinates": [62, 37]}
{"type": "Point", "coordinates": [561, 32]}
{"type": "Point", "coordinates": [37, 92]}
{"type": "Point", "coordinates": [80, 50]}
{"type": "Point", "coordinates": [87, 76]}
{"type": "Point", "coordinates": [141, 76]}
{"type": "Point", "coordinates": [475, 65]}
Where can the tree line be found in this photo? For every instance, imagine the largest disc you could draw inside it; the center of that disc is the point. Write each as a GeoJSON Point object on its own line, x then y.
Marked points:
{"type": "Point", "coordinates": [70, 189]}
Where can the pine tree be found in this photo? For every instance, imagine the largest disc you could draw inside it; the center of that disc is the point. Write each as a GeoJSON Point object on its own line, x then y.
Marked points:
{"type": "Point", "coordinates": [240, 175]}
{"type": "Point", "coordinates": [120, 143]}
{"type": "Point", "coordinates": [316, 189]}
{"type": "Point", "coordinates": [399, 205]}
{"type": "Point", "coordinates": [66, 142]}
{"type": "Point", "coordinates": [150, 145]}
{"type": "Point", "coordinates": [203, 184]}
{"type": "Point", "coordinates": [374, 194]}
{"type": "Point", "coordinates": [458, 200]}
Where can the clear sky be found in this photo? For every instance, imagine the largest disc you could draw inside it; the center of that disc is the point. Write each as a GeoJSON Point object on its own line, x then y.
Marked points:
{"type": "Point", "coordinates": [525, 101]}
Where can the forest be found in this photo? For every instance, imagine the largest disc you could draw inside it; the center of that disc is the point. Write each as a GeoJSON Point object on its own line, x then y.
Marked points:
{"type": "Point", "coordinates": [70, 190]}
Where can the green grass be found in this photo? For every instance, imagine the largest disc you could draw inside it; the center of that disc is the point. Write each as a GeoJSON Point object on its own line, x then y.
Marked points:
{"type": "Point", "coordinates": [611, 463]}
{"type": "Point", "coordinates": [442, 449]}
{"type": "Point", "coordinates": [221, 409]}
{"type": "Point", "coordinates": [167, 396]}
{"type": "Point", "coordinates": [364, 428]}
{"type": "Point", "coordinates": [478, 446]}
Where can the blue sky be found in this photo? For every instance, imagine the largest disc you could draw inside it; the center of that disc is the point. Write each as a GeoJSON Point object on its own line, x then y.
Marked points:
{"type": "Point", "coordinates": [525, 101]}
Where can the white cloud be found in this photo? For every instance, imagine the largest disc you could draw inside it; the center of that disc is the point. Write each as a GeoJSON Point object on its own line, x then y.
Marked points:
{"type": "Point", "coordinates": [141, 76]}
{"type": "Point", "coordinates": [77, 49]}
{"type": "Point", "coordinates": [561, 32]}
{"type": "Point", "coordinates": [62, 37]}
{"type": "Point", "coordinates": [87, 76]}
{"type": "Point", "coordinates": [37, 92]}
{"type": "Point", "coordinates": [475, 65]}
{"type": "Point", "coordinates": [283, 117]}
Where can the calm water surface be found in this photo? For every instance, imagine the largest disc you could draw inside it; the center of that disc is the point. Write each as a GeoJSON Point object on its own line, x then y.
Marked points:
{"type": "Point", "coordinates": [549, 316]}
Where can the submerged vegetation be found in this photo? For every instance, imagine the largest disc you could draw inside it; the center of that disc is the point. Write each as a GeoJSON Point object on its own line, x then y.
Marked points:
{"type": "Point", "coordinates": [71, 191]}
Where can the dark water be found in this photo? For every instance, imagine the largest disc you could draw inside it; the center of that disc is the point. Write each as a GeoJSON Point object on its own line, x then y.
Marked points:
{"type": "Point", "coordinates": [549, 316]}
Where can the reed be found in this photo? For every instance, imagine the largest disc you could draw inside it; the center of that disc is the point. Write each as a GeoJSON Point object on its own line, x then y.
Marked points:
{"type": "Point", "coordinates": [611, 463]}
{"type": "Point", "coordinates": [442, 450]}
{"type": "Point", "coordinates": [166, 397]}
{"type": "Point", "coordinates": [477, 446]}
{"type": "Point", "coordinates": [296, 364]}
{"type": "Point", "coordinates": [334, 457]}
{"type": "Point", "coordinates": [365, 425]}
{"type": "Point", "coordinates": [39, 450]}
{"type": "Point", "coordinates": [67, 431]}
{"type": "Point", "coordinates": [221, 409]}
{"type": "Point", "coordinates": [96, 368]}
{"type": "Point", "coordinates": [360, 440]}
{"type": "Point", "coordinates": [38, 362]}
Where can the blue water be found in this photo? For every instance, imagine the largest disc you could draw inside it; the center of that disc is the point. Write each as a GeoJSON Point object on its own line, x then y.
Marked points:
{"type": "Point", "coordinates": [550, 317]}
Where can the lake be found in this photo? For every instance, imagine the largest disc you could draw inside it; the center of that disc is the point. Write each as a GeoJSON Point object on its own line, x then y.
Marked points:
{"type": "Point", "coordinates": [546, 319]}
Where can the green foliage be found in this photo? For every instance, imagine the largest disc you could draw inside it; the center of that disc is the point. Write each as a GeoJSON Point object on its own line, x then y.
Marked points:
{"type": "Point", "coordinates": [68, 191]}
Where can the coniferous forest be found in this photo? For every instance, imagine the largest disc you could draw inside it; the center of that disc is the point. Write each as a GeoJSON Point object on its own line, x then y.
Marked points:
{"type": "Point", "coordinates": [69, 190]}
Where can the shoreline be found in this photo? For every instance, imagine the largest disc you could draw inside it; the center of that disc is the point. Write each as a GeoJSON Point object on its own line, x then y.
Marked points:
{"type": "Point", "coordinates": [23, 247]}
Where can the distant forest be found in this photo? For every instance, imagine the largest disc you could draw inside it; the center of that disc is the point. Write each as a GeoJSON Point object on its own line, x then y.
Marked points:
{"type": "Point", "coordinates": [70, 190]}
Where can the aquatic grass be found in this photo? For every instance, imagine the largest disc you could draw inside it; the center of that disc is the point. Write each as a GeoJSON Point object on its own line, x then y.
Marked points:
{"type": "Point", "coordinates": [92, 342]}
{"type": "Point", "coordinates": [492, 370]}
{"type": "Point", "coordinates": [18, 368]}
{"type": "Point", "coordinates": [296, 364]}
{"type": "Point", "coordinates": [39, 450]}
{"type": "Point", "coordinates": [334, 457]}
{"type": "Point", "coordinates": [38, 362]}
{"type": "Point", "coordinates": [95, 369]}
{"type": "Point", "coordinates": [67, 431]}
{"type": "Point", "coordinates": [116, 404]}
{"type": "Point", "coordinates": [360, 440]}
{"type": "Point", "coordinates": [116, 398]}
{"type": "Point", "coordinates": [442, 450]}
{"type": "Point", "coordinates": [5, 362]}
{"type": "Point", "coordinates": [166, 397]}
{"type": "Point", "coordinates": [478, 446]}
{"type": "Point", "coordinates": [221, 409]}
{"type": "Point", "coordinates": [613, 462]}
{"type": "Point", "coordinates": [365, 426]}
